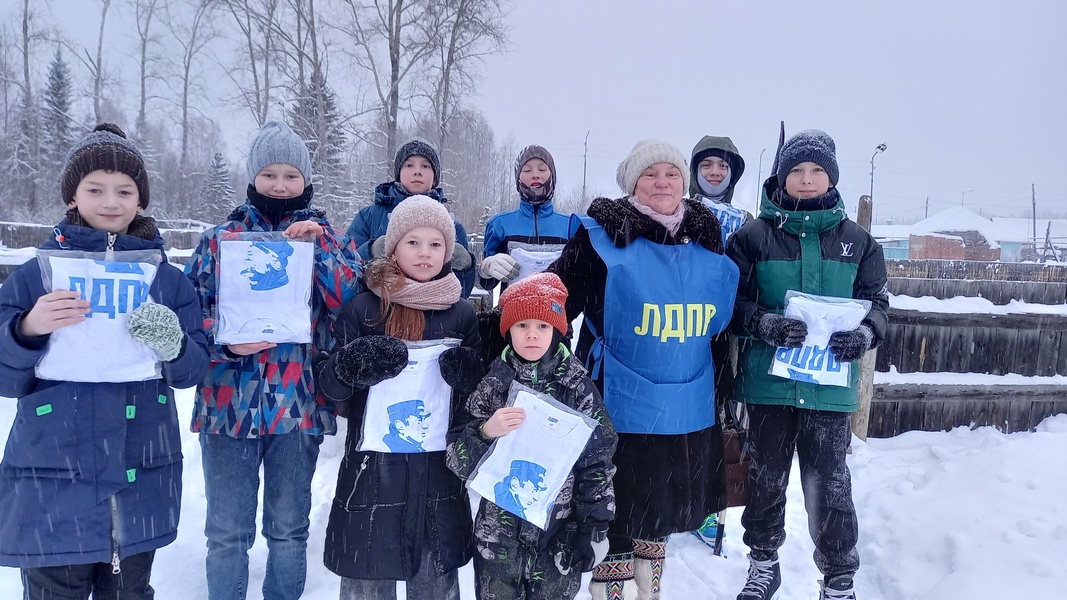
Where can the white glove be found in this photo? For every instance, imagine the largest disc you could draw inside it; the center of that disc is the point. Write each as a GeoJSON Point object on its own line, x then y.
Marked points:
{"type": "Point", "coordinates": [500, 266]}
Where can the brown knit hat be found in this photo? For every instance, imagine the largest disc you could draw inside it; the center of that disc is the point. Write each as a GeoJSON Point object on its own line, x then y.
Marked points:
{"type": "Point", "coordinates": [420, 211]}
{"type": "Point", "coordinates": [540, 296]}
{"type": "Point", "coordinates": [104, 149]}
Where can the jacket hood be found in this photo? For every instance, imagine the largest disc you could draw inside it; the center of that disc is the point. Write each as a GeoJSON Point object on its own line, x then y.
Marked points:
{"type": "Point", "coordinates": [391, 193]}
{"type": "Point", "coordinates": [793, 221]}
{"type": "Point", "coordinates": [704, 147]}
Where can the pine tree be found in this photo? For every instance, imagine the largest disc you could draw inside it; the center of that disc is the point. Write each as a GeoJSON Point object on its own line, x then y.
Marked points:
{"type": "Point", "coordinates": [316, 119]}
{"type": "Point", "coordinates": [57, 135]}
{"type": "Point", "coordinates": [216, 195]}
{"type": "Point", "coordinates": [25, 162]}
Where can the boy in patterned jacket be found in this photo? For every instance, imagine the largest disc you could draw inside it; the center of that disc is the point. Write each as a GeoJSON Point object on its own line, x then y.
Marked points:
{"type": "Point", "coordinates": [514, 558]}
{"type": "Point", "coordinates": [258, 404]}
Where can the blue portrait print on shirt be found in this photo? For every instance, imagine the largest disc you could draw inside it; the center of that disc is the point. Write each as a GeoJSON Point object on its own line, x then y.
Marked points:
{"type": "Point", "coordinates": [409, 426]}
{"type": "Point", "coordinates": [266, 263]}
{"type": "Point", "coordinates": [521, 488]}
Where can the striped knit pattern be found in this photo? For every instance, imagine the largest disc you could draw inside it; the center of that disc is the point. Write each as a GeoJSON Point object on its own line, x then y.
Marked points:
{"type": "Point", "coordinates": [650, 549]}
{"type": "Point", "coordinates": [615, 567]}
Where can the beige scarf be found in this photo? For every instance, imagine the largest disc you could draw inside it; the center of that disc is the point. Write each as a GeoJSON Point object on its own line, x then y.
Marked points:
{"type": "Point", "coordinates": [436, 294]}
{"type": "Point", "coordinates": [671, 222]}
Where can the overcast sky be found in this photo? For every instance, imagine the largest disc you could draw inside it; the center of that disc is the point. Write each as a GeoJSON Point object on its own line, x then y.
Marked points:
{"type": "Point", "coordinates": [967, 94]}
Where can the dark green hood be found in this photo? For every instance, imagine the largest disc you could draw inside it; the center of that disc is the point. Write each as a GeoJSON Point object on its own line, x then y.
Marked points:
{"type": "Point", "coordinates": [733, 157]}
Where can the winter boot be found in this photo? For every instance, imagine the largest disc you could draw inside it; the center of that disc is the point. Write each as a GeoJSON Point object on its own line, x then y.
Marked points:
{"type": "Point", "coordinates": [649, 559]}
{"type": "Point", "coordinates": [838, 587]}
{"type": "Point", "coordinates": [764, 579]}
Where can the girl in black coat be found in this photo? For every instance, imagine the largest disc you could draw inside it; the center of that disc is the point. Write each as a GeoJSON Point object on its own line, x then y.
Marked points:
{"type": "Point", "coordinates": [401, 514]}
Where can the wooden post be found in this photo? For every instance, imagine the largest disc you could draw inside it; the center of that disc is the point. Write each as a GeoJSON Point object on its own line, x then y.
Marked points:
{"type": "Point", "coordinates": [861, 418]}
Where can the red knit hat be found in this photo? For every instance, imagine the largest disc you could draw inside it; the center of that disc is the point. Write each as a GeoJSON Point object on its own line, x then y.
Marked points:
{"type": "Point", "coordinates": [539, 296]}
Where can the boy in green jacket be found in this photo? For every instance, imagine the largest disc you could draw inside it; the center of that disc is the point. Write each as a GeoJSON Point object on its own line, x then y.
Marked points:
{"type": "Point", "coordinates": [802, 241]}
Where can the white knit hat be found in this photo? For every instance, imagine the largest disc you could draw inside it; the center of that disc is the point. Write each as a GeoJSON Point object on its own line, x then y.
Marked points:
{"type": "Point", "coordinates": [420, 211]}
{"type": "Point", "coordinates": [645, 154]}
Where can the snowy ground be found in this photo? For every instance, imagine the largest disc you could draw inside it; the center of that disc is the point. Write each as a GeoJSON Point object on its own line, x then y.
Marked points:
{"type": "Point", "coordinates": [964, 515]}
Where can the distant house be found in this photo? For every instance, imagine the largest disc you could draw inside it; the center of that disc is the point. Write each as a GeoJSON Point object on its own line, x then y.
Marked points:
{"type": "Point", "coordinates": [954, 233]}
{"type": "Point", "coordinates": [957, 233]}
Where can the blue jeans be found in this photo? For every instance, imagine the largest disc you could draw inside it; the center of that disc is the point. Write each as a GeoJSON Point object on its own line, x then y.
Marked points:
{"type": "Point", "coordinates": [231, 484]}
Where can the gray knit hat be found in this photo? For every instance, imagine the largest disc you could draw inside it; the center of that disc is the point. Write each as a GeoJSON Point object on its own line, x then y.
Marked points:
{"type": "Point", "coordinates": [417, 147]}
{"type": "Point", "coordinates": [276, 144]}
{"type": "Point", "coordinates": [810, 145]}
{"type": "Point", "coordinates": [105, 148]}
{"type": "Point", "coordinates": [645, 154]}
{"type": "Point", "coordinates": [420, 211]}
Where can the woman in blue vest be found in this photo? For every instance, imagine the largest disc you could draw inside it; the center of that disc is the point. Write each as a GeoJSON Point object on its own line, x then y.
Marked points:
{"type": "Point", "coordinates": [648, 272]}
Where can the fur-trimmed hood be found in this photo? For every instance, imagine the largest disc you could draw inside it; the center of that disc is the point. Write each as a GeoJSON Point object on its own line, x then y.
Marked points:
{"type": "Point", "coordinates": [624, 224]}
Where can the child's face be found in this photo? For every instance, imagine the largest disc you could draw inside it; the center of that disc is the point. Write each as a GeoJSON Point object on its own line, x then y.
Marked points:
{"type": "Point", "coordinates": [417, 174]}
{"type": "Point", "coordinates": [714, 169]}
{"type": "Point", "coordinates": [421, 253]}
{"type": "Point", "coordinates": [280, 181]}
{"type": "Point", "coordinates": [531, 338]}
{"type": "Point", "coordinates": [535, 173]}
{"type": "Point", "coordinates": [107, 201]}
{"type": "Point", "coordinates": [807, 180]}
{"type": "Point", "coordinates": [660, 188]}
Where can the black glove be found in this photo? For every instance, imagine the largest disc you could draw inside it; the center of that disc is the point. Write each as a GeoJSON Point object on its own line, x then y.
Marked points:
{"type": "Point", "coordinates": [462, 368]}
{"type": "Point", "coordinates": [848, 346]}
{"type": "Point", "coordinates": [782, 332]}
{"type": "Point", "coordinates": [580, 547]}
{"type": "Point", "coordinates": [461, 259]}
{"type": "Point", "coordinates": [368, 360]}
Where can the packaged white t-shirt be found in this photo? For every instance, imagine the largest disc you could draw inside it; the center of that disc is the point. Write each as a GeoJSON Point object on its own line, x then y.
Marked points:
{"type": "Point", "coordinates": [525, 470]}
{"type": "Point", "coordinates": [533, 258]}
{"type": "Point", "coordinates": [824, 315]}
{"type": "Point", "coordinates": [99, 349]}
{"type": "Point", "coordinates": [409, 413]}
{"type": "Point", "coordinates": [264, 290]}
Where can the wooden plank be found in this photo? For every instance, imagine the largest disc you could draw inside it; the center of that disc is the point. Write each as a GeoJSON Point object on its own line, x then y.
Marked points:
{"type": "Point", "coordinates": [1018, 414]}
{"type": "Point", "coordinates": [883, 420]}
{"type": "Point", "coordinates": [1038, 412]}
{"type": "Point", "coordinates": [1044, 351]}
{"type": "Point", "coordinates": [909, 417]}
{"type": "Point", "coordinates": [932, 409]}
{"type": "Point", "coordinates": [1010, 321]}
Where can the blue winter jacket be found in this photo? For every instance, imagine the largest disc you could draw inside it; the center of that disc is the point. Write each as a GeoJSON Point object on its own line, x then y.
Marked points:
{"type": "Point", "coordinates": [529, 224]}
{"type": "Point", "coordinates": [371, 222]}
{"type": "Point", "coordinates": [92, 472]}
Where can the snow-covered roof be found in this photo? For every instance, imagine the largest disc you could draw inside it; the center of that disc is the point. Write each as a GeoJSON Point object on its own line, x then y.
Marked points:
{"type": "Point", "coordinates": [1022, 229]}
{"type": "Point", "coordinates": [957, 219]}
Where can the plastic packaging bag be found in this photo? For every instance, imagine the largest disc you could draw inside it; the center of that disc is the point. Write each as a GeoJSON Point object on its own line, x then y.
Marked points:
{"type": "Point", "coordinates": [409, 413]}
{"type": "Point", "coordinates": [264, 294]}
{"type": "Point", "coordinates": [99, 349]}
{"type": "Point", "coordinates": [824, 315]}
{"type": "Point", "coordinates": [525, 470]}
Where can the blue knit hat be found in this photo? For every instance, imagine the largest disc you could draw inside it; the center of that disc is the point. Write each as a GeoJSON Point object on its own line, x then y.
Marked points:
{"type": "Point", "coordinates": [276, 144]}
{"type": "Point", "coordinates": [810, 145]}
{"type": "Point", "coordinates": [417, 147]}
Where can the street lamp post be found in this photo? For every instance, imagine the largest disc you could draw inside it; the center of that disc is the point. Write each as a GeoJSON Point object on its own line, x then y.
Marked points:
{"type": "Point", "coordinates": [879, 148]}
{"type": "Point", "coordinates": [964, 195]}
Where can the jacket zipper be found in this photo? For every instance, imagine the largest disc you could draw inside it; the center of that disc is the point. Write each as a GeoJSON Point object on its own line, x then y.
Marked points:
{"type": "Point", "coordinates": [109, 255]}
{"type": "Point", "coordinates": [115, 570]}
{"type": "Point", "coordinates": [362, 467]}
{"type": "Point", "coordinates": [537, 231]}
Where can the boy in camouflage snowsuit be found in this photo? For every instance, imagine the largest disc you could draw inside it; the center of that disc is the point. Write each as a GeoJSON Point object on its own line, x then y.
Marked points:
{"type": "Point", "coordinates": [514, 558]}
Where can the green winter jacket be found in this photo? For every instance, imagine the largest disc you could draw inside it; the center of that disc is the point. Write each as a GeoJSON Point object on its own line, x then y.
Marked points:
{"type": "Point", "coordinates": [818, 252]}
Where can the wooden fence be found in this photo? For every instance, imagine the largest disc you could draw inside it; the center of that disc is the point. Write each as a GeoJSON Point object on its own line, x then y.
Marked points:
{"type": "Point", "coordinates": [920, 342]}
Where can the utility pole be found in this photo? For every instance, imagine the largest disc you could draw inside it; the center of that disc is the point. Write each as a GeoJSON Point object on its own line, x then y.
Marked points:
{"type": "Point", "coordinates": [585, 163]}
{"type": "Point", "coordinates": [1033, 200]}
{"type": "Point", "coordinates": [927, 207]}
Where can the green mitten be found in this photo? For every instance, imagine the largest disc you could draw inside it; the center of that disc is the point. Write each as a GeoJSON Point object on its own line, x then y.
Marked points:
{"type": "Point", "coordinates": [157, 327]}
